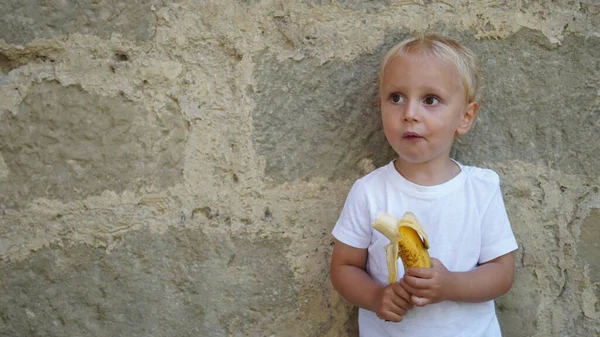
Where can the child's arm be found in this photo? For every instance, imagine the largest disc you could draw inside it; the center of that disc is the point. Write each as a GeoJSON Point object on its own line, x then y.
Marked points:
{"type": "Point", "coordinates": [486, 282]}
{"type": "Point", "coordinates": [350, 279]}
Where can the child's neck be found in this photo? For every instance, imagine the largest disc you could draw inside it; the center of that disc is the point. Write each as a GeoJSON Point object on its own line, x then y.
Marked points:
{"type": "Point", "coordinates": [429, 173]}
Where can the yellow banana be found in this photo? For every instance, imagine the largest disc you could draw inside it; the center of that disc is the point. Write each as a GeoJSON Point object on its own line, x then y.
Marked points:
{"type": "Point", "coordinates": [408, 241]}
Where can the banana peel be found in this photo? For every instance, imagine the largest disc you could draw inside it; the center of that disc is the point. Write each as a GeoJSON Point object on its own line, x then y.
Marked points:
{"type": "Point", "coordinates": [408, 241]}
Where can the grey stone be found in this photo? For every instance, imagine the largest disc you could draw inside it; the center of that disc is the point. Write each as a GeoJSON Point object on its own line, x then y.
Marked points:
{"type": "Point", "coordinates": [514, 310]}
{"type": "Point", "coordinates": [540, 103]}
{"type": "Point", "coordinates": [68, 144]}
{"type": "Point", "coordinates": [368, 6]}
{"type": "Point", "coordinates": [25, 20]}
{"type": "Point", "coordinates": [179, 283]}
{"type": "Point", "coordinates": [590, 244]}
{"type": "Point", "coordinates": [317, 120]}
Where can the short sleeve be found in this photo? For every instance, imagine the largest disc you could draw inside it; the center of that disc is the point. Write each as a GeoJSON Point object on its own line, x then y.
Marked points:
{"type": "Point", "coordinates": [497, 237]}
{"type": "Point", "coordinates": [353, 227]}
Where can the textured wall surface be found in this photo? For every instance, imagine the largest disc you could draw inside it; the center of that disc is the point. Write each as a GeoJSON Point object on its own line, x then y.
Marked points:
{"type": "Point", "coordinates": [175, 168]}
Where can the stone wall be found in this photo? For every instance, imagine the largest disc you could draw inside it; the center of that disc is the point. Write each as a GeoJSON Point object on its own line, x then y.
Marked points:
{"type": "Point", "coordinates": [174, 168]}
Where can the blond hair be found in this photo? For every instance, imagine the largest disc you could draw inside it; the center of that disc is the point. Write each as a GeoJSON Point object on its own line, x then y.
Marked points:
{"type": "Point", "coordinates": [444, 49]}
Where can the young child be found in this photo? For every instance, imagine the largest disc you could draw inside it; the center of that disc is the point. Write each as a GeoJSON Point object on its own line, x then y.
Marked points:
{"type": "Point", "coordinates": [427, 96]}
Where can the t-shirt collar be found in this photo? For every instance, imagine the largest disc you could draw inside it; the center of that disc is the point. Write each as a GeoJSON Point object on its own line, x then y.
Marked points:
{"type": "Point", "coordinates": [425, 191]}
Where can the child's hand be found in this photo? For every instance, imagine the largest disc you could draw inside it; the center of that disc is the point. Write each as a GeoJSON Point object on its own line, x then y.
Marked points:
{"type": "Point", "coordinates": [393, 302]}
{"type": "Point", "coordinates": [427, 285]}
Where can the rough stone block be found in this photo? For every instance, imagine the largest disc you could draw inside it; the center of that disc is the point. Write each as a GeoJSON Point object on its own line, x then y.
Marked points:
{"type": "Point", "coordinates": [179, 283]}
{"type": "Point", "coordinates": [368, 6]}
{"type": "Point", "coordinates": [23, 21]}
{"type": "Point", "coordinates": [540, 103]}
{"type": "Point", "coordinates": [317, 120]}
{"type": "Point", "coordinates": [67, 144]}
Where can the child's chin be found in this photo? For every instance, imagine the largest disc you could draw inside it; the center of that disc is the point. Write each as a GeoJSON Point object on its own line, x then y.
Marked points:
{"type": "Point", "coordinates": [412, 158]}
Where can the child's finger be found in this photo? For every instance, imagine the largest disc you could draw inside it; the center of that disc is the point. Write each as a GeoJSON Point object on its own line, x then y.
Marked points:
{"type": "Point", "coordinates": [400, 291]}
{"type": "Point", "coordinates": [420, 272]}
{"type": "Point", "coordinates": [391, 316]}
{"type": "Point", "coordinates": [435, 262]}
{"type": "Point", "coordinates": [420, 301]}
{"type": "Point", "coordinates": [417, 292]}
{"type": "Point", "coordinates": [414, 283]}
{"type": "Point", "coordinates": [402, 303]}
{"type": "Point", "coordinates": [407, 285]}
{"type": "Point", "coordinates": [395, 318]}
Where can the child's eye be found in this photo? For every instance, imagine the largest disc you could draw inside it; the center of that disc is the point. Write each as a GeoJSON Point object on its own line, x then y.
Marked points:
{"type": "Point", "coordinates": [431, 100]}
{"type": "Point", "coordinates": [397, 98]}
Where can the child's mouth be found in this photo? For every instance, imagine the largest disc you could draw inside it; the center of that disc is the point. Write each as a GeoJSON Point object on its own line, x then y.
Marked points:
{"type": "Point", "coordinates": [411, 136]}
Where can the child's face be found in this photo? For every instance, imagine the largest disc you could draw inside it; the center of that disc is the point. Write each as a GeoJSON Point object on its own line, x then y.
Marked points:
{"type": "Point", "coordinates": [423, 106]}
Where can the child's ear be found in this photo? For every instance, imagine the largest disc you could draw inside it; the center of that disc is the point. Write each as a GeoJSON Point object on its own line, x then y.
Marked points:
{"type": "Point", "coordinates": [468, 118]}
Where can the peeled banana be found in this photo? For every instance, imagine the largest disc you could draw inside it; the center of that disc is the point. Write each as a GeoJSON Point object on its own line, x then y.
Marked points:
{"type": "Point", "coordinates": [408, 241]}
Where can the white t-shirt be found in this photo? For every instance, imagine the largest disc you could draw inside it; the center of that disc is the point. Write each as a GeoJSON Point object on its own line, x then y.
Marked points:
{"type": "Point", "coordinates": [466, 222]}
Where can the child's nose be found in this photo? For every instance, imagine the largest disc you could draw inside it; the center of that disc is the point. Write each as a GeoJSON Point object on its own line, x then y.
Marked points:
{"type": "Point", "coordinates": [412, 112]}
